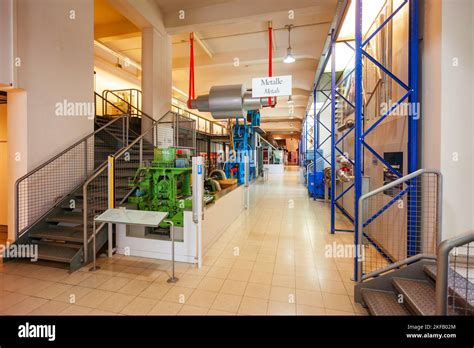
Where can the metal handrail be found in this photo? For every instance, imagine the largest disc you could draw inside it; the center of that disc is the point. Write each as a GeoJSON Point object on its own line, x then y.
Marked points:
{"type": "Point", "coordinates": [100, 171]}
{"type": "Point", "coordinates": [442, 269]}
{"type": "Point", "coordinates": [390, 185]}
{"type": "Point", "coordinates": [49, 161]}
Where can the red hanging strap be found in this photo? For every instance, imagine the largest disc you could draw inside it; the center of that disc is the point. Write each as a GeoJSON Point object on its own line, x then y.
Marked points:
{"type": "Point", "coordinates": [270, 56]}
{"type": "Point", "coordinates": [191, 92]}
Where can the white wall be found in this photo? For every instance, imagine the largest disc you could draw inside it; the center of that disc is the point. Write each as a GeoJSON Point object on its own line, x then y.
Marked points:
{"type": "Point", "coordinates": [57, 64]}
{"type": "Point", "coordinates": [457, 115]}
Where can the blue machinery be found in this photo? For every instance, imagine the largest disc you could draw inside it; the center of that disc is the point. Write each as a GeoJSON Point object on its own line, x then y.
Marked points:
{"type": "Point", "coordinates": [243, 140]}
{"type": "Point", "coordinates": [410, 94]}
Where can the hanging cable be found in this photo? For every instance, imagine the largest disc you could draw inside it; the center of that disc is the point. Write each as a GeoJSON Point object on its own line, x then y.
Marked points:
{"type": "Point", "coordinates": [270, 56]}
{"type": "Point", "coordinates": [191, 92]}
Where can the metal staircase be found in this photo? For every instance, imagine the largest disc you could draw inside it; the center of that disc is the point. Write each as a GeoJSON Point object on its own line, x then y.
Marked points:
{"type": "Point", "coordinates": [403, 274]}
{"type": "Point", "coordinates": [57, 201]}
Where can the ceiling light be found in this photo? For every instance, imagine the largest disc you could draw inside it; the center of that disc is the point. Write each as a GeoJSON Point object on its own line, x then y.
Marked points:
{"type": "Point", "coordinates": [289, 56]}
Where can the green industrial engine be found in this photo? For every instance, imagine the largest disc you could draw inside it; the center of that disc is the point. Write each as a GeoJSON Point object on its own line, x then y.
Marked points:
{"type": "Point", "coordinates": [165, 185]}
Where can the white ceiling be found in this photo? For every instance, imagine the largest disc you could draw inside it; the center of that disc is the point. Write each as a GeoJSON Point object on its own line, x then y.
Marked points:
{"type": "Point", "coordinates": [230, 31]}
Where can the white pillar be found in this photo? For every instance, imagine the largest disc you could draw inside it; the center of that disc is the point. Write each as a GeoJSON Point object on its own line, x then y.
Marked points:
{"type": "Point", "coordinates": [156, 73]}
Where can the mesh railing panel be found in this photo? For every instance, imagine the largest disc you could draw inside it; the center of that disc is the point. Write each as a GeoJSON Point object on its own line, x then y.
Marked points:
{"type": "Point", "coordinates": [461, 280]}
{"type": "Point", "coordinates": [38, 192]}
{"type": "Point", "coordinates": [400, 222]}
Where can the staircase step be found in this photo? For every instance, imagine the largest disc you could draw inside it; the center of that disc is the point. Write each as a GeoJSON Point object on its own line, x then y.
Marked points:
{"type": "Point", "coordinates": [67, 217]}
{"type": "Point", "coordinates": [460, 288]}
{"type": "Point", "coordinates": [383, 302]}
{"type": "Point", "coordinates": [58, 253]}
{"type": "Point", "coordinates": [59, 233]}
{"type": "Point", "coordinates": [418, 295]}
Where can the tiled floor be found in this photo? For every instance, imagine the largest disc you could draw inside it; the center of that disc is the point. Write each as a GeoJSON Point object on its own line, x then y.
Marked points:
{"type": "Point", "coordinates": [270, 261]}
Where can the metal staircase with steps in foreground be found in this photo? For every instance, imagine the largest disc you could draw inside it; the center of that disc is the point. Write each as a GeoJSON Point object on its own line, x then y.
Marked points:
{"type": "Point", "coordinates": [55, 211]}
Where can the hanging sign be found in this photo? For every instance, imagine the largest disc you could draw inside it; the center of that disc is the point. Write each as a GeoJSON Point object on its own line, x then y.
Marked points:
{"type": "Point", "coordinates": [271, 86]}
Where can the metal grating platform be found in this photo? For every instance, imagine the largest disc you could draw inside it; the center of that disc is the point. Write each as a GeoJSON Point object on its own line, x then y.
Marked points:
{"type": "Point", "coordinates": [383, 303]}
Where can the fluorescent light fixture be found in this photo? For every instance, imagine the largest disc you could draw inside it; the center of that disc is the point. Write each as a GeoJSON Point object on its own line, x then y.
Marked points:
{"type": "Point", "coordinates": [289, 56]}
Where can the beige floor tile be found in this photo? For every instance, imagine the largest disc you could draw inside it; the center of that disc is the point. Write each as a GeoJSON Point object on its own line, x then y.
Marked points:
{"type": "Point", "coordinates": [218, 272]}
{"type": "Point", "coordinates": [166, 308]}
{"type": "Point", "coordinates": [284, 269]}
{"type": "Point", "coordinates": [189, 280]}
{"type": "Point", "coordinates": [227, 303]}
{"type": "Point", "coordinates": [149, 275]}
{"type": "Point", "coordinates": [50, 308]}
{"type": "Point", "coordinates": [75, 278]}
{"type": "Point", "coordinates": [337, 302]}
{"type": "Point", "coordinates": [96, 311]}
{"type": "Point", "coordinates": [76, 310]}
{"type": "Point", "coordinates": [211, 284]}
{"type": "Point", "coordinates": [239, 274]}
{"type": "Point", "coordinates": [202, 298]}
{"type": "Point", "coordinates": [139, 306]}
{"type": "Point", "coordinates": [8, 299]}
{"type": "Point", "coordinates": [193, 310]}
{"type": "Point", "coordinates": [73, 294]}
{"type": "Point", "coordinates": [281, 308]}
{"type": "Point", "coordinates": [264, 267]}
{"type": "Point", "coordinates": [134, 287]}
{"type": "Point", "coordinates": [258, 291]}
{"type": "Point", "coordinates": [283, 294]}
{"type": "Point", "coordinates": [336, 312]}
{"type": "Point", "coordinates": [93, 298]}
{"type": "Point", "coordinates": [261, 278]}
{"type": "Point", "coordinates": [114, 284]}
{"type": "Point", "coordinates": [53, 291]}
{"type": "Point", "coordinates": [34, 287]}
{"type": "Point", "coordinates": [329, 274]}
{"type": "Point", "coordinates": [26, 306]}
{"type": "Point", "coordinates": [243, 264]}
{"type": "Point", "coordinates": [309, 298]}
{"type": "Point", "coordinates": [130, 272]}
{"type": "Point", "coordinates": [253, 306]}
{"type": "Point", "coordinates": [219, 313]}
{"type": "Point", "coordinates": [116, 302]}
{"type": "Point", "coordinates": [309, 310]}
{"type": "Point", "coordinates": [332, 287]}
{"type": "Point", "coordinates": [307, 283]}
{"type": "Point", "coordinates": [94, 281]}
{"type": "Point", "coordinates": [283, 280]}
{"type": "Point", "coordinates": [178, 294]}
{"type": "Point", "coordinates": [156, 291]}
{"type": "Point", "coordinates": [233, 287]}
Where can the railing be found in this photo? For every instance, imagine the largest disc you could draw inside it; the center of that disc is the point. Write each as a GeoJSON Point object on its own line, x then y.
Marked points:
{"type": "Point", "coordinates": [125, 163]}
{"type": "Point", "coordinates": [132, 99]}
{"type": "Point", "coordinates": [44, 188]}
{"type": "Point", "coordinates": [399, 223]}
{"type": "Point", "coordinates": [455, 276]}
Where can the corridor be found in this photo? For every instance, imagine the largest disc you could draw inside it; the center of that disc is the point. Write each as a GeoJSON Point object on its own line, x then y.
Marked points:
{"type": "Point", "coordinates": [270, 260]}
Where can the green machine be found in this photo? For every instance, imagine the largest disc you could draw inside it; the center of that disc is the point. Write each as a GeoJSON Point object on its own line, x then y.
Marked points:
{"type": "Point", "coordinates": [165, 185]}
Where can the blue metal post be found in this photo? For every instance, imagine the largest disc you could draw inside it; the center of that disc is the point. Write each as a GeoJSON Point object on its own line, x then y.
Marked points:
{"type": "Point", "coordinates": [315, 136]}
{"type": "Point", "coordinates": [333, 131]}
{"type": "Point", "coordinates": [358, 127]}
{"type": "Point", "coordinates": [413, 161]}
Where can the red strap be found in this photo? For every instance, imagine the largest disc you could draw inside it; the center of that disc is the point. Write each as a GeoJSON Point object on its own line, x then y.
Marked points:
{"type": "Point", "coordinates": [191, 92]}
{"type": "Point", "coordinates": [270, 58]}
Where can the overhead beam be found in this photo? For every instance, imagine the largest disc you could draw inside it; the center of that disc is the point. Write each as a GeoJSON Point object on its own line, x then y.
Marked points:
{"type": "Point", "coordinates": [238, 11]}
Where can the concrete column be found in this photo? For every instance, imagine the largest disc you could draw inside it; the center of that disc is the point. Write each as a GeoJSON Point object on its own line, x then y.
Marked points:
{"type": "Point", "coordinates": [156, 74]}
